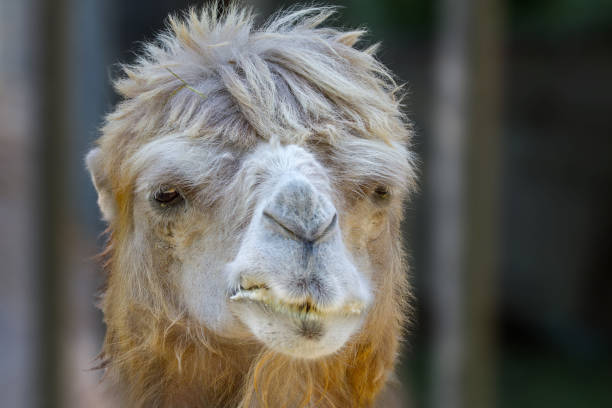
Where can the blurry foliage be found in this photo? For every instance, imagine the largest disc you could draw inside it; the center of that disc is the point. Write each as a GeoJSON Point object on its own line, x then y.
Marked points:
{"type": "Point", "coordinates": [418, 17]}
{"type": "Point", "coordinates": [554, 17]}
{"type": "Point", "coordinates": [392, 18]}
{"type": "Point", "coordinates": [543, 380]}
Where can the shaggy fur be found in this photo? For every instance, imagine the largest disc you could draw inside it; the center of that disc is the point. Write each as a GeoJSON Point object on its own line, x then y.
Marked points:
{"type": "Point", "coordinates": [218, 85]}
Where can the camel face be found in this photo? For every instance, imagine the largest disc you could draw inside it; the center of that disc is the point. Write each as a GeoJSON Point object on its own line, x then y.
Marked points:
{"type": "Point", "coordinates": [265, 242]}
{"type": "Point", "coordinates": [252, 180]}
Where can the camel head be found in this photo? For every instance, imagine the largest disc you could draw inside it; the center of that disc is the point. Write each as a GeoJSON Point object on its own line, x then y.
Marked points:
{"type": "Point", "coordinates": [253, 181]}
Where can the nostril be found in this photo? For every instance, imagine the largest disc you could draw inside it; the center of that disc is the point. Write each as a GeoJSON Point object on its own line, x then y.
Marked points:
{"type": "Point", "coordinates": [329, 227]}
{"type": "Point", "coordinates": [301, 234]}
{"type": "Point", "coordinates": [290, 229]}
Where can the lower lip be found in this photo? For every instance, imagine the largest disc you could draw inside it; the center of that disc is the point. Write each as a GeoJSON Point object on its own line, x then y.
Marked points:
{"type": "Point", "coordinates": [303, 334]}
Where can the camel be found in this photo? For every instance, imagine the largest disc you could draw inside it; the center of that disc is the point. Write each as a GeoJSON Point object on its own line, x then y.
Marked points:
{"type": "Point", "coordinates": [253, 180]}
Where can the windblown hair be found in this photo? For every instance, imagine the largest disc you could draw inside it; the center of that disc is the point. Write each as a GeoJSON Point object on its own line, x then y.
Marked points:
{"type": "Point", "coordinates": [217, 79]}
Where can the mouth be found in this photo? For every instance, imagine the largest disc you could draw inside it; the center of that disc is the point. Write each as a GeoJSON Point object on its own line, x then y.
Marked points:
{"type": "Point", "coordinates": [299, 328]}
{"type": "Point", "coordinates": [302, 311]}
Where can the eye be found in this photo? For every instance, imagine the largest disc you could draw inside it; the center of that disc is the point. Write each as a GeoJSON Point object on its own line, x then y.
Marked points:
{"type": "Point", "coordinates": [381, 193]}
{"type": "Point", "coordinates": [167, 196]}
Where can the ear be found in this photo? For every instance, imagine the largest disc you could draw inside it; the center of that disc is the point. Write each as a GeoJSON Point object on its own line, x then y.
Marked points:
{"type": "Point", "coordinates": [95, 165]}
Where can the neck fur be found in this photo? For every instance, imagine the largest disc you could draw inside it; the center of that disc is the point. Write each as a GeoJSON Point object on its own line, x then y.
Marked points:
{"type": "Point", "coordinates": [174, 365]}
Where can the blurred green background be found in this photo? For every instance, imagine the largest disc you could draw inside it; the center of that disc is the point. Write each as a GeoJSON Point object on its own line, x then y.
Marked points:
{"type": "Point", "coordinates": [509, 238]}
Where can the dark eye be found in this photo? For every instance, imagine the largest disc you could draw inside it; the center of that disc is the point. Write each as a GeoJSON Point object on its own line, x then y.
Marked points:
{"type": "Point", "coordinates": [381, 192]}
{"type": "Point", "coordinates": [167, 196]}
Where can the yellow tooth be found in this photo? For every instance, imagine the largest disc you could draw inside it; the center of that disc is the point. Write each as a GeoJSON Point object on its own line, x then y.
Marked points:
{"type": "Point", "coordinates": [263, 296]}
{"type": "Point", "coordinates": [255, 294]}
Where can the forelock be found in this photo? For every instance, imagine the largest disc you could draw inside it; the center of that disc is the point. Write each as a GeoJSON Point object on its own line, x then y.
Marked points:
{"type": "Point", "coordinates": [292, 79]}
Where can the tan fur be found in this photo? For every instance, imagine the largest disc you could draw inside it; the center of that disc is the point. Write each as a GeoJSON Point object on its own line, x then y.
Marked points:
{"type": "Point", "coordinates": [154, 352]}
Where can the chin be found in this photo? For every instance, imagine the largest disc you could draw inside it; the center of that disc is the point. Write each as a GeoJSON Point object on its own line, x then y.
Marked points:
{"type": "Point", "coordinates": [297, 330]}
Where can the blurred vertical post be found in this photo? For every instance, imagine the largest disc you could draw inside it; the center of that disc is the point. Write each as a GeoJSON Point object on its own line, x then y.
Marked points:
{"type": "Point", "coordinates": [447, 185]}
{"type": "Point", "coordinates": [463, 176]}
{"type": "Point", "coordinates": [53, 132]}
{"type": "Point", "coordinates": [482, 199]}
{"type": "Point", "coordinates": [18, 265]}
